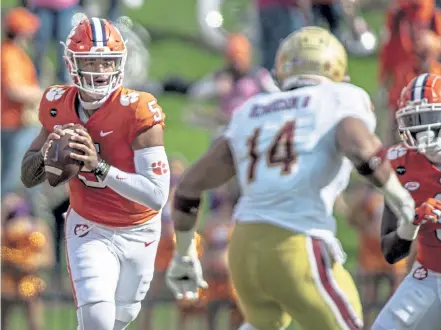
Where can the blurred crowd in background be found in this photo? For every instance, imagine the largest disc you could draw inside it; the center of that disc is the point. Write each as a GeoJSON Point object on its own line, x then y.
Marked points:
{"type": "Point", "coordinates": [33, 219]}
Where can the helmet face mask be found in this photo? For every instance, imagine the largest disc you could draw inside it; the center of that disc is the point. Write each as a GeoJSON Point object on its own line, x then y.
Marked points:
{"type": "Point", "coordinates": [96, 64]}
{"type": "Point", "coordinates": [97, 74]}
{"type": "Point", "coordinates": [419, 118]}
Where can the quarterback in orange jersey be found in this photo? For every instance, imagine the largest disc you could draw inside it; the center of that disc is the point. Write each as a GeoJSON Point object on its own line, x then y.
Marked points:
{"type": "Point", "coordinates": [113, 226]}
{"type": "Point", "coordinates": [417, 161]}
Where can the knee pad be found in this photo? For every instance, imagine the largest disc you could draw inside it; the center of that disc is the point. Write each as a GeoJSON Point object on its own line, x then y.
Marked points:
{"type": "Point", "coordinates": [127, 312]}
{"type": "Point", "coordinates": [96, 316]}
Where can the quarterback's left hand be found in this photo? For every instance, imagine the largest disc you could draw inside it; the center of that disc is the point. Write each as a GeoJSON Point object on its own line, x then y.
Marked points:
{"type": "Point", "coordinates": [84, 143]}
{"type": "Point", "coordinates": [184, 277]}
{"type": "Point", "coordinates": [429, 211]}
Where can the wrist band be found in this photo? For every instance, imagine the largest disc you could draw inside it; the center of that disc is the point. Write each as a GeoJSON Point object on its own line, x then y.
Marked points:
{"type": "Point", "coordinates": [186, 205]}
{"type": "Point", "coordinates": [370, 166]}
{"type": "Point", "coordinates": [101, 169]}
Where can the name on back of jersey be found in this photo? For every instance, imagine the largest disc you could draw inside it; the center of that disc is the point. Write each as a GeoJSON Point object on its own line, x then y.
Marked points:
{"type": "Point", "coordinates": [280, 104]}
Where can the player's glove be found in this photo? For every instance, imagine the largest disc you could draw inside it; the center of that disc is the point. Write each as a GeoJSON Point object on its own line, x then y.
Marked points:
{"type": "Point", "coordinates": [184, 275]}
{"type": "Point", "coordinates": [429, 211]}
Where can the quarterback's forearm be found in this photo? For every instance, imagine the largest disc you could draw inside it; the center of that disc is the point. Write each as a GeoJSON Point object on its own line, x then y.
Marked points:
{"type": "Point", "coordinates": [32, 169]}
{"type": "Point", "coordinates": [150, 185]}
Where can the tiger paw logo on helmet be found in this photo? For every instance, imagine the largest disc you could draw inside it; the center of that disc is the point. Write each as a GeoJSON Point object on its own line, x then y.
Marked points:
{"type": "Point", "coordinates": [128, 99]}
{"type": "Point", "coordinates": [55, 93]}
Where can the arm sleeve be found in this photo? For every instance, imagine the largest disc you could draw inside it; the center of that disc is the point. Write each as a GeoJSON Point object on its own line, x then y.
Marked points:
{"type": "Point", "coordinates": [150, 185]}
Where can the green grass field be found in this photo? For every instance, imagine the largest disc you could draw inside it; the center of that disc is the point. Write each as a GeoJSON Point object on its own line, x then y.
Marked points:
{"type": "Point", "coordinates": [191, 62]}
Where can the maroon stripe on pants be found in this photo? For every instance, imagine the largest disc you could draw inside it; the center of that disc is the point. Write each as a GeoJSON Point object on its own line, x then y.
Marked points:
{"type": "Point", "coordinates": [327, 283]}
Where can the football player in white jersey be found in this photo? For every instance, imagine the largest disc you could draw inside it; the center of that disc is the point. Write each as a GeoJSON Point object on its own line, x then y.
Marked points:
{"type": "Point", "coordinates": [292, 154]}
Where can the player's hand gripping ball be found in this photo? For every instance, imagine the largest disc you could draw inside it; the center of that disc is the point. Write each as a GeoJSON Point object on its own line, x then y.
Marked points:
{"type": "Point", "coordinates": [59, 166]}
{"type": "Point", "coordinates": [429, 211]}
{"type": "Point", "coordinates": [84, 149]}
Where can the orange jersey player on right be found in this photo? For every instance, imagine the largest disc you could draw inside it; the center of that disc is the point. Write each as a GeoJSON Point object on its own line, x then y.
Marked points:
{"type": "Point", "coordinates": [417, 160]}
{"type": "Point", "coordinates": [113, 225]}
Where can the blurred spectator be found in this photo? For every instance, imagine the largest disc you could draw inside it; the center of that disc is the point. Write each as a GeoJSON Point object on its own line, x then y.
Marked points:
{"type": "Point", "coordinates": [365, 210]}
{"type": "Point", "coordinates": [26, 250]}
{"type": "Point", "coordinates": [331, 11]}
{"type": "Point", "coordinates": [56, 23]}
{"type": "Point", "coordinates": [95, 8]}
{"type": "Point", "coordinates": [411, 48]}
{"type": "Point", "coordinates": [231, 86]}
{"type": "Point", "coordinates": [20, 95]}
{"type": "Point", "coordinates": [216, 232]}
{"type": "Point", "coordinates": [278, 18]}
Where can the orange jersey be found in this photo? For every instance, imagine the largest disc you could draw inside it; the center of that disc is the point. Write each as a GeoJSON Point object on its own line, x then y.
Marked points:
{"type": "Point", "coordinates": [423, 180]}
{"type": "Point", "coordinates": [112, 128]}
{"type": "Point", "coordinates": [17, 69]}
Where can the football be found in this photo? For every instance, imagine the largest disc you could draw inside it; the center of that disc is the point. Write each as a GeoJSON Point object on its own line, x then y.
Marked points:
{"type": "Point", "coordinates": [58, 165]}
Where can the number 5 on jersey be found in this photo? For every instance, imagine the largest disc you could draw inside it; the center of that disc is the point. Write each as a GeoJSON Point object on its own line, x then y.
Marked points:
{"type": "Point", "coordinates": [280, 152]}
{"type": "Point", "coordinates": [155, 110]}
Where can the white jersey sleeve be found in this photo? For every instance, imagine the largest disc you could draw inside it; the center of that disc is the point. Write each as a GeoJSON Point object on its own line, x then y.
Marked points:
{"type": "Point", "coordinates": [352, 101]}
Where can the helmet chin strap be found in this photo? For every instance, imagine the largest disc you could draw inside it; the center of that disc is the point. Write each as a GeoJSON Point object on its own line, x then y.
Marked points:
{"type": "Point", "coordinates": [98, 99]}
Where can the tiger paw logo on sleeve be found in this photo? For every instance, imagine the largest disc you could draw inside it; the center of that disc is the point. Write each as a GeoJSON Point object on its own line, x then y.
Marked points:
{"type": "Point", "coordinates": [129, 98]}
{"type": "Point", "coordinates": [159, 168]}
{"type": "Point", "coordinates": [55, 93]}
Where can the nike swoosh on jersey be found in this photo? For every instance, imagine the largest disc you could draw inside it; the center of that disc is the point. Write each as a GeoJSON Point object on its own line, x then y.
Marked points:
{"type": "Point", "coordinates": [102, 134]}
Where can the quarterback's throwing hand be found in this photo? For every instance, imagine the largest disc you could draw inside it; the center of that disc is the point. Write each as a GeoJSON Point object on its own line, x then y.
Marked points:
{"type": "Point", "coordinates": [84, 143]}
{"type": "Point", "coordinates": [184, 277]}
{"type": "Point", "coordinates": [429, 211]}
